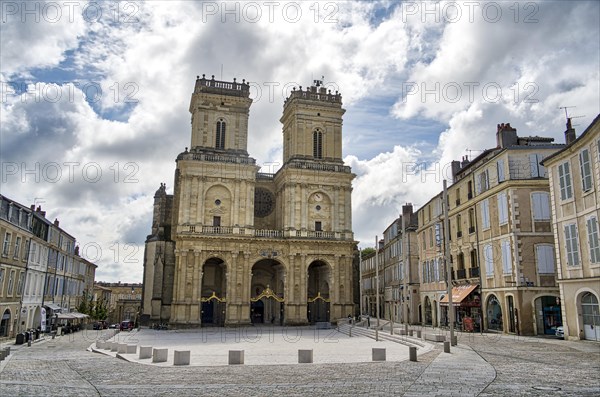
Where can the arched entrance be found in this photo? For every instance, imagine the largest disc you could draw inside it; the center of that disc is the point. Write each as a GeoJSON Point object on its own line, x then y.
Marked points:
{"type": "Point", "coordinates": [494, 313]}
{"type": "Point", "coordinates": [590, 312]}
{"type": "Point", "coordinates": [213, 293]}
{"type": "Point", "coordinates": [5, 323]}
{"type": "Point", "coordinates": [37, 318]}
{"type": "Point", "coordinates": [319, 274]}
{"type": "Point", "coordinates": [548, 316]}
{"type": "Point", "coordinates": [428, 317]}
{"type": "Point", "coordinates": [267, 292]}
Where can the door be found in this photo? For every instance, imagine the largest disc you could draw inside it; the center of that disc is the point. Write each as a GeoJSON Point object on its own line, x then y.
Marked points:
{"type": "Point", "coordinates": [591, 317]}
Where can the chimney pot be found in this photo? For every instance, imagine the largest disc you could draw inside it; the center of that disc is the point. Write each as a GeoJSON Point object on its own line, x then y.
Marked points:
{"type": "Point", "coordinates": [56, 222]}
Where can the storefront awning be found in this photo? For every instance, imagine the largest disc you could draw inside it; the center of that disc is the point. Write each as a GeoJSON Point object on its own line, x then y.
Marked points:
{"type": "Point", "coordinates": [78, 315]}
{"type": "Point", "coordinates": [65, 316]}
{"type": "Point", "coordinates": [458, 294]}
{"type": "Point", "coordinates": [52, 306]}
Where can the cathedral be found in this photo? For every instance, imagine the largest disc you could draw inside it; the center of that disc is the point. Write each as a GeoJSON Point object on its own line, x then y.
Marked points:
{"type": "Point", "coordinates": [235, 246]}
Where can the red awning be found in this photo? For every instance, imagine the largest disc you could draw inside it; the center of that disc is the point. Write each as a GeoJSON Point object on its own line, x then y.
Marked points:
{"type": "Point", "coordinates": [459, 294]}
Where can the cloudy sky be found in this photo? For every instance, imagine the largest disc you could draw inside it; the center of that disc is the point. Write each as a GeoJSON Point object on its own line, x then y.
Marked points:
{"type": "Point", "coordinates": [95, 96]}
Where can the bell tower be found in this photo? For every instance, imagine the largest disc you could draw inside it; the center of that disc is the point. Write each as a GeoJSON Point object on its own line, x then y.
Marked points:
{"type": "Point", "coordinates": [312, 125]}
{"type": "Point", "coordinates": [220, 116]}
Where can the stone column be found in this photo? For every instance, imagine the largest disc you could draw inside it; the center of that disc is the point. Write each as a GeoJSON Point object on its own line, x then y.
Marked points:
{"type": "Point", "coordinates": [303, 201]}
{"type": "Point", "coordinates": [200, 204]}
{"type": "Point", "coordinates": [335, 209]}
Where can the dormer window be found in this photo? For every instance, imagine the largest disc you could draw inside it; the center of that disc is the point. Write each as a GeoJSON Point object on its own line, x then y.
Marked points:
{"type": "Point", "coordinates": [220, 136]}
{"type": "Point", "coordinates": [318, 144]}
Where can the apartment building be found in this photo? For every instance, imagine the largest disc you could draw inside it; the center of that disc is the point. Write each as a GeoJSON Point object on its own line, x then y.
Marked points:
{"type": "Point", "coordinates": [398, 274]}
{"type": "Point", "coordinates": [574, 174]}
{"type": "Point", "coordinates": [501, 241]}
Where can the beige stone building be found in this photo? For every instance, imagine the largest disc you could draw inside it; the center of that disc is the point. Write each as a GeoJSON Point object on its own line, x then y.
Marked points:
{"type": "Point", "coordinates": [574, 188]}
{"type": "Point", "coordinates": [234, 246]}
{"type": "Point", "coordinates": [501, 241]}
{"type": "Point", "coordinates": [123, 300]}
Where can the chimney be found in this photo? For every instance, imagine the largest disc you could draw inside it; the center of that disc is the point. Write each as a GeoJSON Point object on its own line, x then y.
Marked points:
{"type": "Point", "coordinates": [56, 222]}
{"type": "Point", "coordinates": [506, 136]}
{"type": "Point", "coordinates": [569, 133]}
{"type": "Point", "coordinates": [455, 167]}
{"type": "Point", "coordinates": [32, 207]}
{"type": "Point", "coordinates": [465, 161]}
{"type": "Point", "coordinates": [77, 250]}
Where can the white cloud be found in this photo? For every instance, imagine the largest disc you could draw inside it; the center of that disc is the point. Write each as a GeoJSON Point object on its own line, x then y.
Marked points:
{"type": "Point", "coordinates": [151, 54]}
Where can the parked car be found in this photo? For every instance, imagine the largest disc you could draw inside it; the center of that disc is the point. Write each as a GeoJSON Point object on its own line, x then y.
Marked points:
{"type": "Point", "coordinates": [114, 326]}
{"type": "Point", "coordinates": [560, 332]}
{"type": "Point", "coordinates": [126, 325]}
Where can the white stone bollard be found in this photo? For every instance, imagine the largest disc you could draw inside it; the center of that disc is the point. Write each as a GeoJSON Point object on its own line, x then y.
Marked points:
{"type": "Point", "coordinates": [412, 353]}
{"type": "Point", "coordinates": [122, 348]}
{"type": "Point", "coordinates": [159, 355]}
{"type": "Point", "coordinates": [181, 357]}
{"type": "Point", "coordinates": [236, 357]}
{"type": "Point", "coordinates": [378, 354]}
{"type": "Point", "coordinates": [305, 356]}
{"type": "Point", "coordinates": [145, 352]}
{"type": "Point", "coordinates": [131, 349]}
{"type": "Point", "coordinates": [114, 346]}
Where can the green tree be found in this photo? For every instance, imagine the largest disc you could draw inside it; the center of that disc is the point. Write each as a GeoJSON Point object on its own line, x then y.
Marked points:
{"type": "Point", "coordinates": [100, 311]}
{"type": "Point", "coordinates": [367, 251]}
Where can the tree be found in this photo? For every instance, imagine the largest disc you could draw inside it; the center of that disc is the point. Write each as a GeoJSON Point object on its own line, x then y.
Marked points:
{"type": "Point", "coordinates": [367, 251]}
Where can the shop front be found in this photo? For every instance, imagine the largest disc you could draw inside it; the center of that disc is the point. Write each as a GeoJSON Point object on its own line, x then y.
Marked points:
{"type": "Point", "coordinates": [466, 303]}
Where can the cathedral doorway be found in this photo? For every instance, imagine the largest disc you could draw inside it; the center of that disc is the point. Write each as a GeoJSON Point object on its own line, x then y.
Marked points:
{"type": "Point", "coordinates": [318, 292]}
{"type": "Point", "coordinates": [213, 293]}
{"type": "Point", "coordinates": [267, 292]}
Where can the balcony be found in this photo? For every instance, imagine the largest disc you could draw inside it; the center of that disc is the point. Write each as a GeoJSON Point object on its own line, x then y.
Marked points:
{"type": "Point", "coordinates": [473, 272]}
{"type": "Point", "coordinates": [461, 274]}
{"type": "Point", "coordinates": [236, 231]}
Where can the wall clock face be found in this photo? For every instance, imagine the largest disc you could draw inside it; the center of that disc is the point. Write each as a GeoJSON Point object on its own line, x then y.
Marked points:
{"type": "Point", "coordinates": [318, 197]}
{"type": "Point", "coordinates": [264, 202]}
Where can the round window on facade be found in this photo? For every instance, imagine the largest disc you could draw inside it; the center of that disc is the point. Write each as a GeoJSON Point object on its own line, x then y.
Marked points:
{"type": "Point", "coordinates": [217, 202]}
{"type": "Point", "coordinates": [318, 207]}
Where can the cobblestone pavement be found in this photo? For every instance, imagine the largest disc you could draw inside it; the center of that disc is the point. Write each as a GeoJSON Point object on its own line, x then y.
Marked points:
{"type": "Point", "coordinates": [488, 365]}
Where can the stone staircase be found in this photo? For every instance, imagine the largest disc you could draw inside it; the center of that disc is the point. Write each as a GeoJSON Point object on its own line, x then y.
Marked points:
{"type": "Point", "coordinates": [357, 330]}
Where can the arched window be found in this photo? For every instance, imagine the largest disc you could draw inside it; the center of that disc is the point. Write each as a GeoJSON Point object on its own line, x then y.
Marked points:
{"type": "Point", "coordinates": [220, 141]}
{"type": "Point", "coordinates": [318, 144]}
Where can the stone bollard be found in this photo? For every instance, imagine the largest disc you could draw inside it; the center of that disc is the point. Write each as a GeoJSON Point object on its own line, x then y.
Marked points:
{"type": "Point", "coordinates": [131, 349]}
{"type": "Point", "coordinates": [7, 350]}
{"type": "Point", "coordinates": [410, 332]}
{"type": "Point", "coordinates": [114, 346]}
{"type": "Point", "coordinates": [377, 335]}
{"type": "Point", "coordinates": [454, 340]}
{"type": "Point", "coordinates": [100, 344]}
{"type": "Point", "coordinates": [145, 352]}
{"type": "Point", "coordinates": [122, 348]}
{"type": "Point", "coordinates": [236, 357]}
{"type": "Point", "coordinates": [181, 357]}
{"type": "Point", "coordinates": [108, 346]}
{"type": "Point", "coordinates": [29, 343]}
{"type": "Point", "coordinates": [378, 354]}
{"type": "Point", "coordinates": [305, 356]}
{"type": "Point", "coordinates": [419, 334]}
{"type": "Point", "coordinates": [412, 353]}
{"type": "Point", "coordinates": [159, 355]}
{"type": "Point", "coordinates": [350, 332]}
{"type": "Point", "coordinates": [446, 347]}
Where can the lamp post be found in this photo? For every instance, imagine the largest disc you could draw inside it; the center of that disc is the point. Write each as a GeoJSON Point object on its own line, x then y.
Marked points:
{"type": "Point", "coordinates": [360, 284]}
{"type": "Point", "coordinates": [377, 279]}
{"type": "Point", "coordinates": [448, 265]}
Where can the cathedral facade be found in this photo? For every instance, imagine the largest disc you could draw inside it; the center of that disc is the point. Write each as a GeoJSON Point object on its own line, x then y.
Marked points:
{"type": "Point", "coordinates": [233, 246]}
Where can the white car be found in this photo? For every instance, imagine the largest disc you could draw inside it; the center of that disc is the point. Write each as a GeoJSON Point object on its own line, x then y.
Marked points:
{"type": "Point", "coordinates": [560, 332]}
